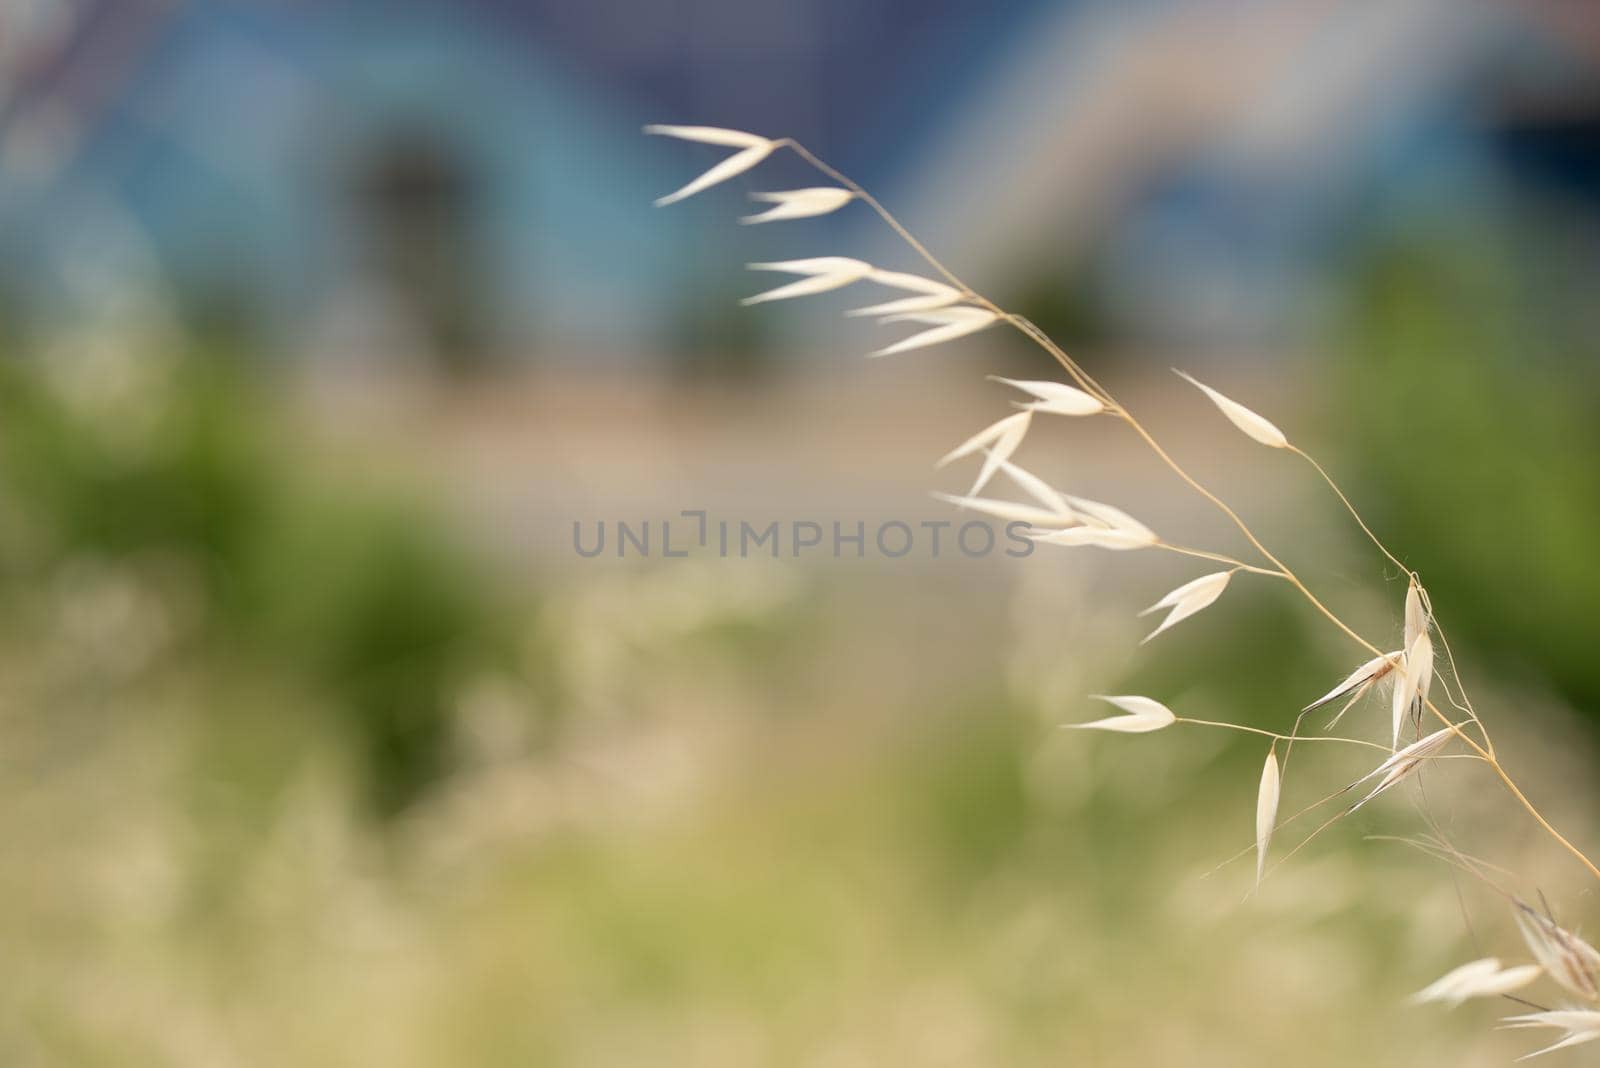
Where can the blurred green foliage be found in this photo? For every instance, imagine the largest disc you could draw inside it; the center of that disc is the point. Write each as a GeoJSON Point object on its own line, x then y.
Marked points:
{"type": "Point", "coordinates": [1469, 354]}
{"type": "Point", "coordinates": [177, 466]}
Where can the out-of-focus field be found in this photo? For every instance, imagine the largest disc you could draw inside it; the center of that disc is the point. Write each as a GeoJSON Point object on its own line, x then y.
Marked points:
{"type": "Point", "coordinates": [327, 329]}
{"type": "Point", "coordinates": [330, 751]}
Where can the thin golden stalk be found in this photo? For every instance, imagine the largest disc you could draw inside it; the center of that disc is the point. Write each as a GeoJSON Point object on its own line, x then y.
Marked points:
{"type": "Point", "coordinates": [1485, 751]}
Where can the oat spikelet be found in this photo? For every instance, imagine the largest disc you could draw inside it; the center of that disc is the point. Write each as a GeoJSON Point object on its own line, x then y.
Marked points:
{"type": "Point", "coordinates": [1480, 978]}
{"type": "Point", "coordinates": [1141, 716]}
{"type": "Point", "coordinates": [933, 295]}
{"type": "Point", "coordinates": [1098, 537]}
{"type": "Point", "coordinates": [1416, 675]}
{"type": "Point", "coordinates": [1266, 809]}
{"type": "Point", "coordinates": [998, 440]}
{"type": "Point", "coordinates": [1010, 511]}
{"type": "Point", "coordinates": [1252, 424]}
{"type": "Point", "coordinates": [1056, 398]}
{"type": "Point", "coordinates": [948, 324]}
{"type": "Point", "coordinates": [1113, 518]}
{"type": "Point", "coordinates": [1359, 679]}
{"type": "Point", "coordinates": [1580, 1025]}
{"type": "Point", "coordinates": [985, 437]}
{"type": "Point", "coordinates": [753, 150]}
{"type": "Point", "coordinates": [1399, 766]}
{"type": "Point", "coordinates": [1000, 452]}
{"type": "Point", "coordinates": [1570, 960]}
{"type": "Point", "coordinates": [799, 203]}
{"type": "Point", "coordinates": [1037, 488]}
{"type": "Point", "coordinates": [1188, 599]}
{"type": "Point", "coordinates": [1416, 615]}
{"type": "Point", "coordinates": [823, 274]}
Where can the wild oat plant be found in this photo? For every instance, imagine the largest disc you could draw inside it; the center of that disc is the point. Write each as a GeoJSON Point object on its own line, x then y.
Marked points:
{"type": "Point", "coordinates": [1422, 731]}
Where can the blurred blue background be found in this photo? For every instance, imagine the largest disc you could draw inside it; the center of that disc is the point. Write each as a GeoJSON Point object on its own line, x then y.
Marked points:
{"type": "Point", "coordinates": [469, 176]}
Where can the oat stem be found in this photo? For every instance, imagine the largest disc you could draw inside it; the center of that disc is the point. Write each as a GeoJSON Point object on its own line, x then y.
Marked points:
{"type": "Point", "coordinates": [1086, 381]}
{"type": "Point", "coordinates": [1362, 523]}
{"type": "Point", "coordinates": [1205, 554]}
{"type": "Point", "coordinates": [1280, 737]}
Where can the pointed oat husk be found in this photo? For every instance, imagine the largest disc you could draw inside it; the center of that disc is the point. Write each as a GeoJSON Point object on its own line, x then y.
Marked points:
{"type": "Point", "coordinates": [915, 283]}
{"type": "Point", "coordinates": [1098, 537]}
{"type": "Point", "coordinates": [1113, 518]}
{"type": "Point", "coordinates": [929, 302]}
{"type": "Point", "coordinates": [1009, 511]}
{"type": "Point", "coordinates": [1360, 692]}
{"type": "Point", "coordinates": [1252, 424]}
{"type": "Point", "coordinates": [1420, 659]}
{"type": "Point", "coordinates": [998, 453]}
{"type": "Point", "coordinates": [710, 135]}
{"type": "Point", "coordinates": [1580, 1025]}
{"type": "Point", "coordinates": [753, 150]}
{"type": "Point", "coordinates": [1056, 398]}
{"type": "Point", "coordinates": [1267, 809]}
{"type": "Point", "coordinates": [1569, 1019]}
{"type": "Point", "coordinates": [1416, 615]}
{"type": "Point", "coordinates": [1570, 960]}
{"type": "Point", "coordinates": [1188, 599]}
{"type": "Point", "coordinates": [800, 203]}
{"type": "Point", "coordinates": [824, 273]}
{"type": "Point", "coordinates": [815, 265]}
{"type": "Point", "coordinates": [932, 294]}
{"type": "Point", "coordinates": [1416, 675]}
{"type": "Point", "coordinates": [1399, 766]}
{"type": "Point", "coordinates": [1037, 488]}
{"type": "Point", "coordinates": [948, 325]}
{"type": "Point", "coordinates": [1359, 679]}
{"type": "Point", "coordinates": [1141, 716]}
{"type": "Point", "coordinates": [1480, 978]}
{"type": "Point", "coordinates": [989, 435]}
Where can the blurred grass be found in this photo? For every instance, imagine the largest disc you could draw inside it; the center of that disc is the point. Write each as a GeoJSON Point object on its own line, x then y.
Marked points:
{"type": "Point", "coordinates": [1471, 361]}
{"type": "Point", "coordinates": [176, 474]}
{"type": "Point", "coordinates": [688, 814]}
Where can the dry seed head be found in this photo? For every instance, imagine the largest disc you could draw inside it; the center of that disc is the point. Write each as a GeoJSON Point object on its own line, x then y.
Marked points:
{"type": "Point", "coordinates": [1009, 511]}
{"type": "Point", "coordinates": [916, 283]}
{"type": "Point", "coordinates": [933, 295]}
{"type": "Point", "coordinates": [823, 273]}
{"type": "Point", "coordinates": [1113, 518]}
{"type": "Point", "coordinates": [1480, 978]}
{"type": "Point", "coordinates": [753, 150]}
{"type": "Point", "coordinates": [1266, 810]}
{"type": "Point", "coordinates": [1001, 438]}
{"type": "Point", "coordinates": [1416, 675]}
{"type": "Point", "coordinates": [985, 437]}
{"type": "Point", "coordinates": [948, 324]}
{"type": "Point", "coordinates": [1361, 691]}
{"type": "Point", "coordinates": [1402, 764]}
{"type": "Point", "coordinates": [1580, 1025]}
{"type": "Point", "coordinates": [1056, 398]}
{"type": "Point", "coordinates": [1141, 716]}
{"type": "Point", "coordinates": [998, 453]}
{"type": "Point", "coordinates": [1570, 960]}
{"type": "Point", "coordinates": [929, 302]}
{"type": "Point", "coordinates": [800, 203]}
{"type": "Point", "coordinates": [1036, 487]}
{"type": "Point", "coordinates": [1571, 1019]}
{"type": "Point", "coordinates": [710, 135]}
{"type": "Point", "coordinates": [1416, 615]}
{"type": "Point", "coordinates": [1359, 679]}
{"type": "Point", "coordinates": [1098, 537]}
{"type": "Point", "coordinates": [1188, 599]}
{"type": "Point", "coordinates": [1252, 424]}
